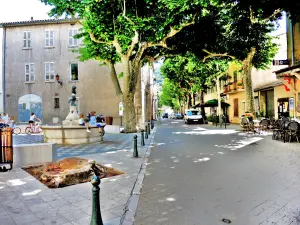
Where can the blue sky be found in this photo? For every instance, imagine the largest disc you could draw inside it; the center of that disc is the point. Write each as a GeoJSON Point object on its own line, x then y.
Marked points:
{"type": "Point", "coordinates": [20, 10]}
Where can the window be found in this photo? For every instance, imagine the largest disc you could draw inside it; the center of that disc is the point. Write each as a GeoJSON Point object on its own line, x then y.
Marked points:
{"type": "Point", "coordinates": [72, 41]}
{"type": "Point", "coordinates": [56, 103]}
{"type": "Point", "coordinates": [27, 39]}
{"type": "Point", "coordinates": [74, 71]}
{"type": "Point", "coordinates": [29, 72]}
{"type": "Point", "coordinates": [49, 38]}
{"type": "Point", "coordinates": [49, 71]}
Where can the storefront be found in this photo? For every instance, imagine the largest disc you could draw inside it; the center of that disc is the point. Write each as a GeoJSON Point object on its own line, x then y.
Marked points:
{"type": "Point", "coordinates": [287, 96]}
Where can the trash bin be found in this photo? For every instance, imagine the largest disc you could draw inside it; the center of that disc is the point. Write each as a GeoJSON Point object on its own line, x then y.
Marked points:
{"type": "Point", "coordinates": [109, 120]}
{"type": "Point", "coordinates": [6, 150]}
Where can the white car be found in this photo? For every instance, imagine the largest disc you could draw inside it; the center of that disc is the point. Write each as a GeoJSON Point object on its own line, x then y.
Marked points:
{"type": "Point", "coordinates": [172, 116]}
{"type": "Point", "coordinates": [193, 116]}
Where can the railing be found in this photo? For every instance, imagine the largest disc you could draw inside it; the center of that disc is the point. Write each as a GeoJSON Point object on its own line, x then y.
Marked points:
{"type": "Point", "coordinates": [6, 148]}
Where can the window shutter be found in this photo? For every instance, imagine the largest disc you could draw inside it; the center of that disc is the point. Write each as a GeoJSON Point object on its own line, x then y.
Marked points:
{"type": "Point", "coordinates": [236, 107]}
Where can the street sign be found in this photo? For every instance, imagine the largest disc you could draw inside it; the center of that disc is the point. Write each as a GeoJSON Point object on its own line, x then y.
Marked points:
{"type": "Point", "coordinates": [280, 62]}
{"type": "Point", "coordinates": [121, 109]}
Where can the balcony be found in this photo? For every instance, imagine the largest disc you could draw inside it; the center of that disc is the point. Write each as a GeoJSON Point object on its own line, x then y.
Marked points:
{"type": "Point", "coordinates": [232, 87]}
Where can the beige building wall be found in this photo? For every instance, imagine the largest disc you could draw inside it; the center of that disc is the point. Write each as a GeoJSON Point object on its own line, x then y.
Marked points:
{"type": "Point", "coordinates": [94, 87]}
{"type": "Point", "coordinates": [1, 70]}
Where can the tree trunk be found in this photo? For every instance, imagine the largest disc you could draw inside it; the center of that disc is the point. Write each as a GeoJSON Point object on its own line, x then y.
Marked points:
{"type": "Point", "coordinates": [219, 101]}
{"type": "Point", "coordinates": [247, 68]}
{"type": "Point", "coordinates": [138, 102]}
{"type": "Point", "coordinates": [128, 97]}
{"type": "Point", "coordinates": [202, 102]}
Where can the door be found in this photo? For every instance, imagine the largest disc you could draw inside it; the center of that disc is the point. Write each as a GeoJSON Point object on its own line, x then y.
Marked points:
{"type": "Point", "coordinates": [30, 103]}
{"type": "Point", "coordinates": [236, 107]}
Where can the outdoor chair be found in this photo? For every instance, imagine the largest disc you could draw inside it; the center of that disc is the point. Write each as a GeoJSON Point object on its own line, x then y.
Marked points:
{"type": "Point", "coordinates": [293, 131]}
{"type": "Point", "coordinates": [278, 130]}
{"type": "Point", "coordinates": [264, 124]}
{"type": "Point", "coordinates": [272, 123]}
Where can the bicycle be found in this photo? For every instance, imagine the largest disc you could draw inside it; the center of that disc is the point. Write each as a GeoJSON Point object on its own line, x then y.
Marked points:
{"type": "Point", "coordinates": [34, 130]}
{"type": "Point", "coordinates": [16, 130]}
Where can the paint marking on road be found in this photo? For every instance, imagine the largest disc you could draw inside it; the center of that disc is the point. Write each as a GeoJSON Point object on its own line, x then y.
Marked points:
{"type": "Point", "coordinates": [208, 132]}
{"type": "Point", "coordinates": [241, 143]}
{"type": "Point", "coordinates": [174, 122]}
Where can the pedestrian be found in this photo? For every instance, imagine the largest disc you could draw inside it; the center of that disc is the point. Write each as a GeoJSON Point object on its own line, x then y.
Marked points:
{"type": "Point", "coordinates": [5, 118]}
{"type": "Point", "coordinates": [81, 120]}
{"type": "Point", "coordinates": [92, 122]}
{"type": "Point", "coordinates": [100, 123]}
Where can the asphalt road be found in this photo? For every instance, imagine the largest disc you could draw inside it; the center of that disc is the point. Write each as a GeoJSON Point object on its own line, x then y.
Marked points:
{"type": "Point", "coordinates": [198, 174]}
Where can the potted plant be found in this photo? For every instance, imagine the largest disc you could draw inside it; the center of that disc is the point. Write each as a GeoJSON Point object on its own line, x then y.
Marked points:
{"type": "Point", "coordinates": [240, 84]}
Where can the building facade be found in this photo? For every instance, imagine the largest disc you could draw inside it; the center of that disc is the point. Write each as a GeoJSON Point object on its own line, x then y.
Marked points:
{"type": "Point", "coordinates": [41, 67]}
{"type": "Point", "coordinates": [269, 92]}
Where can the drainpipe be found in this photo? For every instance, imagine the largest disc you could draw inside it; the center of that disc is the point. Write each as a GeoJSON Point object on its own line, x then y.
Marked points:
{"type": "Point", "coordinates": [293, 63]}
{"type": "Point", "coordinates": [4, 69]}
{"type": "Point", "coordinates": [292, 43]}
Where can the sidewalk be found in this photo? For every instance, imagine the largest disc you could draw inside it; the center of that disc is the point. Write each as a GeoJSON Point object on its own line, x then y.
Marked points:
{"type": "Point", "coordinates": [25, 200]}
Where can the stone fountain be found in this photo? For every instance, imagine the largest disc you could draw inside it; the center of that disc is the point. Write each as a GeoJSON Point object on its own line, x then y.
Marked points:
{"type": "Point", "coordinates": [70, 132]}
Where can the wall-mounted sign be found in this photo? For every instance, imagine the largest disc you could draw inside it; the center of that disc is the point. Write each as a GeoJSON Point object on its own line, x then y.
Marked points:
{"type": "Point", "coordinates": [121, 109]}
{"type": "Point", "coordinates": [291, 107]}
{"type": "Point", "coordinates": [280, 62]}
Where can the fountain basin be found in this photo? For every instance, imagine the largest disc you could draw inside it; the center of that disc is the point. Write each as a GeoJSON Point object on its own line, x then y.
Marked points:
{"type": "Point", "coordinates": [70, 135]}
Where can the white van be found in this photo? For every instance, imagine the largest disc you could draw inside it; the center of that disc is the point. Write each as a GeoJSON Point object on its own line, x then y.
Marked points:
{"type": "Point", "coordinates": [193, 116]}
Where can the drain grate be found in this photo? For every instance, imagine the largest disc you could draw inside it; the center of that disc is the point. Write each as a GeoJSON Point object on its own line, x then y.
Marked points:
{"type": "Point", "coordinates": [226, 220]}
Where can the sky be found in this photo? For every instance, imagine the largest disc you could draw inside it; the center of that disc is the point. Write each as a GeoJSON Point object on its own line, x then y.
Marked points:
{"type": "Point", "coordinates": [22, 10]}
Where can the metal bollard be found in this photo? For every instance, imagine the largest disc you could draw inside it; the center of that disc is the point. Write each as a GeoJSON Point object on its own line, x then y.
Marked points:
{"type": "Point", "coordinates": [135, 150]}
{"type": "Point", "coordinates": [149, 127]}
{"type": "Point", "coordinates": [146, 132]}
{"type": "Point", "coordinates": [142, 138]}
{"type": "Point", "coordinates": [96, 212]}
{"type": "Point", "coordinates": [152, 124]}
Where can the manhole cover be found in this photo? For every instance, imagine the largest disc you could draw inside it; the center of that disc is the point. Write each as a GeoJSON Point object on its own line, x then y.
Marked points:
{"type": "Point", "coordinates": [226, 220]}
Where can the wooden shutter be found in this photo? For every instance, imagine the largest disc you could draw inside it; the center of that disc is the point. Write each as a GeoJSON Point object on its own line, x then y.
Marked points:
{"type": "Point", "coordinates": [236, 107]}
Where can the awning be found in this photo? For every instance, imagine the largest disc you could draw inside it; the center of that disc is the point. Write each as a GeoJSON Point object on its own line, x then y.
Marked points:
{"type": "Point", "coordinates": [288, 73]}
{"type": "Point", "coordinates": [211, 103]}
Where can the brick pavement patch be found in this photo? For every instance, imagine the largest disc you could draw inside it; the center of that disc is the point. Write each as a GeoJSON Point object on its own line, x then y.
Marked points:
{"type": "Point", "coordinates": [69, 171]}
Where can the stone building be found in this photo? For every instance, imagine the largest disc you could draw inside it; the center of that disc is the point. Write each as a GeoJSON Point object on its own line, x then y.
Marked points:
{"type": "Point", "coordinates": [40, 69]}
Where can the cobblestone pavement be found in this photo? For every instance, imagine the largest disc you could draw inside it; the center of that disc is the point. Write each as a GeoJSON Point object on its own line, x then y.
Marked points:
{"type": "Point", "coordinates": [112, 142]}
{"type": "Point", "coordinates": [199, 175]}
{"type": "Point", "coordinates": [26, 201]}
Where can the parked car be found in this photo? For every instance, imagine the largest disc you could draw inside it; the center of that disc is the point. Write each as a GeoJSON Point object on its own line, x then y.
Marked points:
{"type": "Point", "coordinates": [172, 116]}
{"type": "Point", "coordinates": [193, 116]}
{"type": "Point", "coordinates": [165, 115]}
{"type": "Point", "coordinates": [179, 116]}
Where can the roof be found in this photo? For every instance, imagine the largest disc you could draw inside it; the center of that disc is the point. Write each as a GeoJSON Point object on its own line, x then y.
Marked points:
{"type": "Point", "coordinates": [36, 22]}
{"type": "Point", "coordinates": [286, 69]}
{"type": "Point", "coordinates": [268, 86]}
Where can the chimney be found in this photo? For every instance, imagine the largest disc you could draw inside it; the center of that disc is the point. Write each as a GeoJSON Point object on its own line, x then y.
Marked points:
{"type": "Point", "coordinates": [31, 18]}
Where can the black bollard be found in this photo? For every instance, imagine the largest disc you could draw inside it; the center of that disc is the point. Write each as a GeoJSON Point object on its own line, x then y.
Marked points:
{"type": "Point", "coordinates": [142, 138]}
{"type": "Point", "coordinates": [146, 132]}
{"type": "Point", "coordinates": [149, 127]}
{"type": "Point", "coordinates": [96, 218]}
{"type": "Point", "coordinates": [135, 150]}
{"type": "Point", "coordinates": [152, 124]}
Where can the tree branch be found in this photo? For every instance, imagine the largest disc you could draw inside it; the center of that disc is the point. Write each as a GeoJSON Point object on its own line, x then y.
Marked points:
{"type": "Point", "coordinates": [114, 77]}
{"type": "Point", "coordinates": [254, 19]}
{"type": "Point", "coordinates": [117, 45]}
{"type": "Point", "coordinates": [134, 41]}
{"type": "Point", "coordinates": [172, 33]}
{"type": "Point", "coordinates": [94, 39]}
{"type": "Point", "coordinates": [212, 55]}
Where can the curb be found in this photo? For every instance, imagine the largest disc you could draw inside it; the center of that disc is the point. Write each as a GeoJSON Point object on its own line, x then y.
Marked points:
{"type": "Point", "coordinates": [132, 203]}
